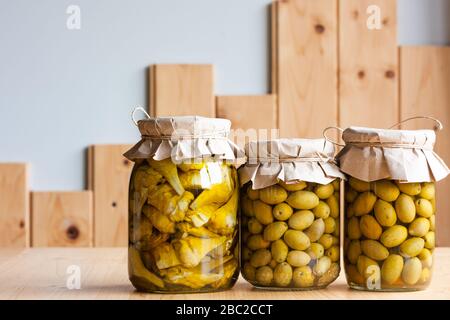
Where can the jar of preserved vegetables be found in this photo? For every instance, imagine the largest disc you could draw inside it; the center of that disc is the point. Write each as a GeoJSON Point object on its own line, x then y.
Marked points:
{"type": "Point", "coordinates": [290, 200]}
{"type": "Point", "coordinates": [183, 206]}
{"type": "Point", "coordinates": [390, 207]}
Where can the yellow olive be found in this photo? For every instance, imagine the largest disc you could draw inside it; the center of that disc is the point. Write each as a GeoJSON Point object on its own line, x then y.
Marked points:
{"type": "Point", "coordinates": [385, 213]}
{"type": "Point", "coordinates": [353, 275]}
{"type": "Point", "coordinates": [324, 191]}
{"type": "Point", "coordinates": [322, 265]}
{"type": "Point", "coordinates": [411, 189]}
{"type": "Point", "coordinates": [260, 257]}
{"type": "Point", "coordinates": [273, 195]}
{"type": "Point", "coordinates": [330, 275]}
{"type": "Point", "coordinates": [263, 212]}
{"type": "Point", "coordinates": [350, 210]}
{"type": "Point", "coordinates": [301, 220]}
{"type": "Point", "coordinates": [394, 236]}
{"type": "Point", "coordinates": [247, 207]}
{"type": "Point", "coordinates": [275, 230]}
{"type": "Point", "coordinates": [350, 195]}
{"type": "Point", "coordinates": [330, 225]}
{"type": "Point", "coordinates": [252, 194]}
{"type": "Point", "coordinates": [303, 277]}
{"type": "Point", "coordinates": [392, 268]}
{"type": "Point", "coordinates": [293, 186]}
{"type": "Point", "coordinates": [412, 247]}
{"type": "Point", "coordinates": [315, 251]}
{"type": "Point", "coordinates": [430, 240]}
{"type": "Point", "coordinates": [419, 227]}
{"type": "Point", "coordinates": [304, 200]}
{"type": "Point", "coordinates": [366, 266]}
{"type": "Point", "coordinates": [333, 253]}
{"type": "Point", "coordinates": [264, 275]}
{"type": "Point", "coordinates": [426, 257]}
{"type": "Point", "coordinates": [353, 230]}
{"type": "Point", "coordinates": [248, 271]}
{"type": "Point", "coordinates": [316, 230]}
{"type": "Point", "coordinates": [256, 241]}
{"type": "Point", "coordinates": [432, 223]}
{"type": "Point", "coordinates": [433, 204]}
{"type": "Point", "coordinates": [336, 184]}
{"type": "Point", "coordinates": [322, 210]}
{"type": "Point", "coordinates": [364, 203]}
{"type": "Point", "coordinates": [272, 264]}
{"type": "Point", "coordinates": [282, 211]}
{"type": "Point", "coordinates": [405, 208]}
{"type": "Point", "coordinates": [424, 207]}
{"type": "Point", "coordinates": [254, 226]}
{"type": "Point", "coordinates": [386, 190]}
{"type": "Point", "coordinates": [374, 250]}
{"type": "Point", "coordinates": [282, 275]}
{"type": "Point", "coordinates": [359, 185]}
{"type": "Point", "coordinates": [296, 240]}
{"type": "Point", "coordinates": [298, 258]}
{"type": "Point", "coordinates": [326, 240]}
{"type": "Point", "coordinates": [412, 271]}
{"type": "Point", "coordinates": [279, 251]}
{"type": "Point", "coordinates": [333, 203]}
{"type": "Point", "coordinates": [428, 191]}
{"type": "Point", "coordinates": [246, 253]}
{"type": "Point", "coordinates": [354, 251]}
{"type": "Point", "coordinates": [337, 230]}
{"type": "Point", "coordinates": [425, 275]}
{"type": "Point", "coordinates": [369, 227]}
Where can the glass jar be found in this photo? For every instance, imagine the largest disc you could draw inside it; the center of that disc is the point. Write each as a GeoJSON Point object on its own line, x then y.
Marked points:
{"type": "Point", "coordinates": [390, 207]}
{"type": "Point", "coordinates": [290, 229]}
{"type": "Point", "coordinates": [389, 234]}
{"type": "Point", "coordinates": [183, 215]}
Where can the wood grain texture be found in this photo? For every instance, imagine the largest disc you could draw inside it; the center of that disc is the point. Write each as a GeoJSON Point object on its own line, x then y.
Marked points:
{"type": "Point", "coordinates": [104, 276]}
{"type": "Point", "coordinates": [425, 78]}
{"type": "Point", "coordinates": [306, 36]}
{"type": "Point", "coordinates": [109, 180]}
{"type": "Point", "coordinates": [274, 47]}
{"type": "Point", "coordinates": [61, 219]}
{"type": "Point", "coordinates": [182, 89]}
{"type": "Point", "coordinates": [368, 62]}
{"type": "Point", "coordinates": [14, 205]}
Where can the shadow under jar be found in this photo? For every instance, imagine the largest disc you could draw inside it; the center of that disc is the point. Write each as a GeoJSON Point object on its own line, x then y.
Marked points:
{"type": "Point", "coordinates": [183, 206]}
{"type": "Point", "coordinates": [290, 214]}
{"type": "Point", "coordinates": [390, 207]}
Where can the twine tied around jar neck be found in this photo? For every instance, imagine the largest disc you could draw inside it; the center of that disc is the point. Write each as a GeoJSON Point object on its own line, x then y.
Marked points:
{"type": "Point", "coordinates": [437, 127]}
{"type": "Point", "coordinates": [133, 114]}
{"type": "Point", "coordinates": [320, 158]}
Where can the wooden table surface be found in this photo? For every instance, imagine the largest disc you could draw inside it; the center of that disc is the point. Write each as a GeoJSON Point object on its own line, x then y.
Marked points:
{"type": "Point", "coordinates": [42, 274]}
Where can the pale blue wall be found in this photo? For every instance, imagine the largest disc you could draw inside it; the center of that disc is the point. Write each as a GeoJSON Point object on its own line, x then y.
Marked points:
{"type": "Point", "coordinates": [62, 90]}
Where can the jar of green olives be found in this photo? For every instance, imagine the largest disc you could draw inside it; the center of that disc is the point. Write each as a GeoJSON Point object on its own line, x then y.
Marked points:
{"type": "Point", "coordinates": [290, 210]}
{"type": "Point", "coordinates": [390, 207]}
{"type": "Point", "coordinates": [183, 206]}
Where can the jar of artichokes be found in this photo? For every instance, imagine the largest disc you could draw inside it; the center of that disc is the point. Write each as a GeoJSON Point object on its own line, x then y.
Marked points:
{"type": "Point", "coordinates": [390, 207]}
{"type": "Point", "coordinates": [290, 204]}
{"type": "Point", "coordinates": [183, 206]}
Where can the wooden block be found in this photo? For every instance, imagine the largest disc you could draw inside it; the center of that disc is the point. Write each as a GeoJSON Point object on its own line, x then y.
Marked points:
{"type": "Point", "coordinates": [306, 36]}
{"type": "Point", "coordinates": [182, 89]}
{"type": "Point", "coordinates": [368, 65]}
{"type": "Point", "coordinates": [274, 46]}
{"type": "Point", "coordinates": [61, 219]}
{"type": "Point", "coordinates": [109, 180]}
{"type": "Point", "coordinates": [425, 77]}
{"type": "Point", "coordinates": [14, 205]}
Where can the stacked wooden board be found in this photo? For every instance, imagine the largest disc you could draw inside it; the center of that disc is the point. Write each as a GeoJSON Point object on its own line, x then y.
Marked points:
{"type": "Point", "coordinates": [328, 68]}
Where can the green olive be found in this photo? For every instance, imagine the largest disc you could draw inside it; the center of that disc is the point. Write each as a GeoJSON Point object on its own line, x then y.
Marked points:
{"type": "Point", "coordinates": [256, 241]}
{"type": "Point", "coordinates": [369, 227]}
{"type": "Point", "coordinates": [279, 251]}
{"type": "Point", "coordinates": [303, 200]}
{"type": "Point", "coordinates": [424, 207]}
{"type": "Point", "coordinates": [298, 258]}
{"type": "Point", "coordinates": [316, 230]}
{"type": "Point", "coordinates": [303, 277]}
{"type": "Point", "coordinates": [333, 203]}
{"type": "Point", "coordinates": [263, 212]}
{"type": "Point", "coordinates": [273, 195]}
{"type": "Point", "coordinates": [315, 251]}
{"type": "Point", "coordinates": [296, 240]}
{"type": "Point", "coordinates": [428, 191]}
{"type": "Point", "coordinates": [386, 190]}
{"type": "Point", "coordinates": [330, 225]}
{"type": "Point", "coordinates": [412, 247]}
{"type": "Point", "coordinates": [322, 210]}
{"type": "Point", "coordinates": [405, 208]}
{"type": "Point", "coordinates": [324, 191]}
{"type": "Point", "coordinates": [392, 268]}
{"type": "Point", "coordinates": [353, 229]}
{"type": "Point", "coordinates": [354, 251]}
{"type": "Point", "coordinates": [385, 213]}
{"type": "Point", "coordinates": [254, 226]}
{"type": "Point", "coordinates": [249, 272]}
{"type": "Point", "coordinates": [359, 185]}
{"type": "Point", "coordinates": [430, 240]}
{"type": "Point", "coordinates": [326, 240]}
{"type": "Point", "coordinates": [333, 253]}
{"type": "Point", "coordinates": [426, 257]}
{"type": "Point", "coordinates": [374, 250]}
{"type": "Point", "coordinates": [264, 275]}
{"type": "Point", "coordinates": [275, 230]}
{"type": "Point", "coordinates": [260, 257]}
{"type": "Point", "coordinates": [364, 203]}
{"type": "Point", "coordinates": [412, 271]}
{"type": "Point", "coordinates": [432, 223]}
{"type": "Point", "coordinates": [419, 227]}
{"type": "Point", "coordinates": [411, 189]}
{"type": "Point", "coordinates": [394, 236]}
{"type": "Point", "coordinates": [282, 275]}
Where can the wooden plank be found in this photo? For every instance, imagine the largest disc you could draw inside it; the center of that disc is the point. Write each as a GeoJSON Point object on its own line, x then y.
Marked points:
{"type": "Point", "coordinates": [41, 273]}
{"type": "Point", "coordinates": [109, 179]}
{"type": "Point", "coordinates": [182, 89]}
{"type": "Point", "coordinates": [368, 62]}
{"type": "Point", "coordinates": [274, 46]}
{"type": "Point", "coordinates": [61, 219]}
{"type": "Point", "coordinates": [425, 77]}
{"type": "Point", "coordinates": [14, 205]}
{"type": "Point", "coordinates": [306, 66]}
